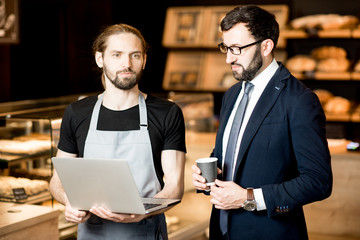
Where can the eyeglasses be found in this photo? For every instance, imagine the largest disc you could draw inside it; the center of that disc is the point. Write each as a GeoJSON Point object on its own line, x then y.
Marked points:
{"type": "Point", "coordinates": [234, 50]}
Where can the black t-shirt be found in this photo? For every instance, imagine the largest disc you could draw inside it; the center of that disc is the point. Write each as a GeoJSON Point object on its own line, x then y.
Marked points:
{"type": "Point", "coordinates": [165, 125]}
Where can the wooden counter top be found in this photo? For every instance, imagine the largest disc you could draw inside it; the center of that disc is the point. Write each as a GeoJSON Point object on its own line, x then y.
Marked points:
{"type": "Point", "coordinates": [22, 221]}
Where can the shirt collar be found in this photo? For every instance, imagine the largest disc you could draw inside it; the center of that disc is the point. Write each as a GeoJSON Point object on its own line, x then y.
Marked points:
{"type": "Point", "coordinates": [264, 77]}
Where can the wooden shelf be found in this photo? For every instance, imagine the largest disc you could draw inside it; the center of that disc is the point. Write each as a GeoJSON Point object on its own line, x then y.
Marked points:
{"type": "Point", "coordinates": [355, 76]}
{"type": "Point", "coordinates": [34, 199]}
{"type": "Point", "coordinates": [332, 76]}
{"type": "Point", "coordinates": [355, 117]}
{"type": "Point", "coordinates": [289, 33]}
{"type": "Point", "coordinates": [197, 71]}
{"type": "Point", "coordinates": [183, 70]}
{"type": "Point", "coordinates": [328, 76]}
{"type": "Point", "coordinates": [183, 27]}
{"type": "Point", "coordinates": [356, 33]}
{"type": "Point", "coordinates": [217, 73]}
{"type": "Point", "coordinates": [345, 117]}
{"type": "Point", "coordinates": [189, 27]}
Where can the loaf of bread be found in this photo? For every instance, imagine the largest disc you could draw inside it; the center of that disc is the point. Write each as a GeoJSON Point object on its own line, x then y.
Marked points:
{"type": "Point", "coordinates": [333, 65]}
{"type": "Point", "coordinates": [357, 67]}
{"type": "Point", "coordinates": [324, 21]}
{"type": "Point", "coordinates": [301, 63]}
{"type": "Point", "coordinates": [24, 147]}
{"type": "Point", "coordinates": [340, 22]}
{"type": "Point", "coordinates": [328, 52]}
{"type": "Point", "coordinates": [32, 187]}
{"type": "Point", "coordinates": [337, 105]}
{"type": "Point", "coordinates": [323, 95]}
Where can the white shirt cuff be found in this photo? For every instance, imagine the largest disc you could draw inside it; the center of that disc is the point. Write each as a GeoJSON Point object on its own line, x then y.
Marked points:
{"type": "Point", "coordinates": [259, 198]}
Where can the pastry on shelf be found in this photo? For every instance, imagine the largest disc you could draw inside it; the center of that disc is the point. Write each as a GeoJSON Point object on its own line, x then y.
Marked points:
{"type": "Point", "coordinates": [323, 95]}
{"type": "Point", "coordinates": [301, 63]}
{"type": "Point", "coordinates": [333, 65]}
{"type": "Point", "coordinates": [324, 21]}
{"type": "Point", "coordinates": [24, 147]}
{"type": "Point", "coordinates": [337, 105]}
{"type": "Point", "coordinates": [325, 52]}
{"type": "Point", "coordinates": [31, 187]}
{"type": "Point", "coordinates": [357, 67]}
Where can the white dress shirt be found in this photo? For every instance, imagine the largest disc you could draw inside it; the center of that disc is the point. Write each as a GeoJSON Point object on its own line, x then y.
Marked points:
{"type": "Point", "coordinates": [260, 82]}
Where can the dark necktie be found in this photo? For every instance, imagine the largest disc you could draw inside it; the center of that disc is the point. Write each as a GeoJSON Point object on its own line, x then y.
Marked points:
{"type": "Point", "coordinates": [231, 148]}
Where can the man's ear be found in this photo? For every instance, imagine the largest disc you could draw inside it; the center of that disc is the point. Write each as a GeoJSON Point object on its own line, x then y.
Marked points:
{"type": "Point", "coordinates": [99, 59]}
{"type": "Point", "coordinates": [144, 63]}
{"type": "Point", "coordinates": [267, 46]}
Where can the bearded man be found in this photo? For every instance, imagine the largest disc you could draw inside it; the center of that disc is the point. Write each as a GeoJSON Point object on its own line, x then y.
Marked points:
{"type": "Point", "coordinates": [271, 142]}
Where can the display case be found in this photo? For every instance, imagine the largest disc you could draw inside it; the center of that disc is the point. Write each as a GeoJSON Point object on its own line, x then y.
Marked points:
{"type": "Point", "coordinates": [29, 134]}
{"type": "Point", "coordinates": [192, 35]}
{"type": "Point", "coordinates": [198, 110]}
{"type": "Point", "coordinates": [198, 66]}
{"type": "Point", "coordinates": [331, 43]}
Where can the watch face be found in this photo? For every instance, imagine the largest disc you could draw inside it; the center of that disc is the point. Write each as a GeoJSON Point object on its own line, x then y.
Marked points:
{"type": "Point", "coordinates": [250, 205]}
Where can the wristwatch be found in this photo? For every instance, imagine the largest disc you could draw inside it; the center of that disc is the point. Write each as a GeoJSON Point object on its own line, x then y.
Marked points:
{"type": "Point", "coordinates": [250, 204]}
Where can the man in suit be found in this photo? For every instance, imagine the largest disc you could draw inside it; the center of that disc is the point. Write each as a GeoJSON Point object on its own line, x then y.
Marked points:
{"type": "Point", "coordinates": [281, 160]}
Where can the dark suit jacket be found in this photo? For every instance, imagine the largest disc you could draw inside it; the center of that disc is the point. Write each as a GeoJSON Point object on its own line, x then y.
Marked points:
{"type": "Point", "coordinates": [284, 151]}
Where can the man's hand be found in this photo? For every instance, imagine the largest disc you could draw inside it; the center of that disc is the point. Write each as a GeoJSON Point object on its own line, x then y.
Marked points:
{"type": "Point", "coordinates": [198, 180]}
{"type": "Point", "coordinates": [227, 195]}
{"type": "Point", "coordinates": [116, 217]}
{"type": "Point", "coordinates": [75, 216]}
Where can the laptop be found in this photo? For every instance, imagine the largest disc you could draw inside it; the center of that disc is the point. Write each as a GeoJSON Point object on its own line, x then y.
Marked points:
{"type": "Point", "coordinates": [105, 183]}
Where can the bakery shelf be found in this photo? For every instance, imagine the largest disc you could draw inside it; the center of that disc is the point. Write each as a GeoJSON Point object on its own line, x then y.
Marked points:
{"type": "Point", "coordinates": [328, 76]}
{"type": "Point", "coordinates": [193, 27]}
{"type": "Point", "coordinates": [289, 33]}
{"type": "Point", "coordinates": [336, 117]}
{"type": "Point", "coordinates": [292, 33]}
{"type": "Point", "coordinates": [337, 33]}
{"type": "Point", "coordinates": [7, 160]}
{"type": "Point", "coordinates": [355, 117]}
{"type": "Point", "coordinates": [332, 75]}
{"type": "Point", "coordinates": [34, 199]}
{"type": "Point", "coordinates": [356, 33]}
{"type": "Point", "coordinates": [355, 76]}
{"type": "Point", "coordinates": [213, 15]}
{"type": "Point", "coordinates": [197, 71]}
{"type": "Point", "coordinates": [217, 74]}
{"type": "Point", "coordinates": [183, 70]}
{"type": "Point", "coordinates": [183, 27]}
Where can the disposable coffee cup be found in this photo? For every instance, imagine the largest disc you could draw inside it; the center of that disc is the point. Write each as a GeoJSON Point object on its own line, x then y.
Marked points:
{"type": "Point", "coordinates": [208, 167]}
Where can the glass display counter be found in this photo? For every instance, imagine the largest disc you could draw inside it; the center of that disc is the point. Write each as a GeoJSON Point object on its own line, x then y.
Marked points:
{"type": "Point", "coordinates": [29, 134]}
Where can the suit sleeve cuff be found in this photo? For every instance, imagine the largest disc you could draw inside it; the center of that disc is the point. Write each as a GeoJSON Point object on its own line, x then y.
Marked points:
{"type": "Point", "coordinates": [259, 198]}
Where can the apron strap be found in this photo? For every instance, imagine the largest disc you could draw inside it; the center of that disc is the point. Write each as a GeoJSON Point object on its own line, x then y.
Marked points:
{"type": "Point", "coordinates": [95, 112]}
{"type": "Point", "coordinates": [143, 112]}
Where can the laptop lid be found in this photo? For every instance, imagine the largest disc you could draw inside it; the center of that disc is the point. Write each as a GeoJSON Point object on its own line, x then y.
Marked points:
{"type": "Point", "coordinates": [107, 183]}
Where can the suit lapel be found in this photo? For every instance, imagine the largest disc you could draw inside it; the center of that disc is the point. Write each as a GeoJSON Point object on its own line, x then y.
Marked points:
{"type": "Point", "coordinates": [263, 106]}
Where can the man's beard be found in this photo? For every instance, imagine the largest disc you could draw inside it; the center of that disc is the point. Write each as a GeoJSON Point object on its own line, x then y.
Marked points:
{"type": "Point", "coordinates": [125, 83]}
{"type": "Point", "coordinates": [254, 67]}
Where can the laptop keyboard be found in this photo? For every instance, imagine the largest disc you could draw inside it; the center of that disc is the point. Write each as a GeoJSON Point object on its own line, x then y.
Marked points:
{"type": "Point", "coordinates": [150, 205]}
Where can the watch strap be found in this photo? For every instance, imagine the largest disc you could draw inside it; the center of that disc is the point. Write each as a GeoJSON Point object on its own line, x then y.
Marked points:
{"type": "Point", "coordinates": [250, 194]}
